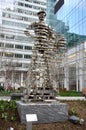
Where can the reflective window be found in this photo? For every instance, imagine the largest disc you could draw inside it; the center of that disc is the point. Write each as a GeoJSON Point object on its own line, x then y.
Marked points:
{"type": "Point", "coordinates": [71, 18]}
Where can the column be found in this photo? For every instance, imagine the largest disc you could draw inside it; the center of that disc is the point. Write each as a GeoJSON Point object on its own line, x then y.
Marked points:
{"type": "Point", "coordinates": [12, 78]}
{"type": "Point", "coordinates": [77, 76]}
{"type": "Point", "coordinates": [81, 72]}
{"type": "Point", "coordinates": [22, 79]}
{"type": "Point", "coordinates": [66, 78]}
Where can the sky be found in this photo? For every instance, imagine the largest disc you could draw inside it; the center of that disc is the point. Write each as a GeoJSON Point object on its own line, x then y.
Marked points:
{"type": "Point", "coordinates": [5, 4]}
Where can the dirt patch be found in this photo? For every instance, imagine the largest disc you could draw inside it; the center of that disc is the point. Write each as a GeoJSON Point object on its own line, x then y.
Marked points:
{"type": "Point", "coordinates": [75, 107]}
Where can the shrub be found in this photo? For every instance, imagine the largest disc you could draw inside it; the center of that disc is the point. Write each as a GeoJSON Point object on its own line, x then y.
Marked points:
{"type": "Point", "coordinates": [1, 88]}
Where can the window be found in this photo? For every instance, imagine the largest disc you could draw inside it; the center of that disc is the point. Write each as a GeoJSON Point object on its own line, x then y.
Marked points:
{"type": "Point", "coordinates": [30, 6]}
{"type": "Point", "coordinates": [29, 0]}
{"type": "Point", "coordinates": [27, 56]}
{"type": "Point", "coordinates": [19, 65]}
{"type": "Point", "coordinates": [25, 65]}
{"type": "Point", "coordinates": [1, 44]}
{"type": "Point", "coordinates": [1, 53]}
{"type": "Point", "coordinates": [10, 36]}
{"type": "Point", "coordinates": [26, 5]}
{"type": "Point", "coordinates": [9, 54]}
{"type": "Point", "coordinates": [20, 4]}
{"type": "Point", "coordinates": [36, 2]}
{"type": "Point", "coordinates": [1, 35]}
{"type": "Point", "coordinates": [28, 48]}
{"type": "Point", "coordinates": [3, 14]}
{"type": "Point", "coordinates": [9, 45]}
{"type": "Point", "coordinates": [20, 11]}
{"type": "Point", "coordinates": [19, 46]}
{"type": "Point", "coordinates": [18, 55]}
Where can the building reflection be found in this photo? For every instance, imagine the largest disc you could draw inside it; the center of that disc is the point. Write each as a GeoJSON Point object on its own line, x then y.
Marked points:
{"type": "Point", "coordinates": [73, 14]}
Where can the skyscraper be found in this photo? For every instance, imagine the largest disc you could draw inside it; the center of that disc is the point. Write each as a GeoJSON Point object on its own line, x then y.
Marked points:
{"type": "Point", "coordinates": [15, 47]}
{"type": "Point", "coordinates": [52, 20]}
{"type": "Point", "coordinates": [73, 13]}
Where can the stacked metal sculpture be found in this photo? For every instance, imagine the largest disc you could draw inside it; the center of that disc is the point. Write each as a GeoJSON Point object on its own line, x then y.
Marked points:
{"type": "Point", "coordinates": [47, 43]}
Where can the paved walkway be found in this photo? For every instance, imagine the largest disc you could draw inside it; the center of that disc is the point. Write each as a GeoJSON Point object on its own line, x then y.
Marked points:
{"type": "Point", "coordinates": [5, 98]}
{"type": "Point", "coordinates": [59, 98]}
{"type": "Point", "coordinates": [70, 98]}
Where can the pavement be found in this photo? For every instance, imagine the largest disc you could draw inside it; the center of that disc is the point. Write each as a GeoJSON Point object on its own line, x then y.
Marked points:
{"type": "Point", "coordinates": [70, 98]}
{"type": "Point", "coordinates": [8, 98]}
{"type": "Point", "coordinates": [5, 98]}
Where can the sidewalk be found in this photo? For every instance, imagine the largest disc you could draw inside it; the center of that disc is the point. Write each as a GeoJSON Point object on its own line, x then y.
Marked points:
{"type": "Point", "coordinates": [70, 98]}
{"type": "Point", "coordinates": [8, 98]}
{"type": "Point", "coordinates": [5, 98]}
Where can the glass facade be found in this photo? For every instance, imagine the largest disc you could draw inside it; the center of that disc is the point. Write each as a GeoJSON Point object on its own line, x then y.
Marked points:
{"type": "Point", "coordinates": [51, 18]}
{"type": "Point", "coordinates": [73, 14]}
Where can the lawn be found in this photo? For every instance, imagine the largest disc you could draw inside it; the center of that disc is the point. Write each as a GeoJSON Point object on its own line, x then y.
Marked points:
{"type": "Point", "coordinates": [70, 93]}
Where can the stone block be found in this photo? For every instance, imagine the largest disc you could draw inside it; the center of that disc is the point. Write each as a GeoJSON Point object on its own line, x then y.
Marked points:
{"type": "Point", "coordinates": [15, 96]}
{"type": "Point", "coordinates": [46, 112]}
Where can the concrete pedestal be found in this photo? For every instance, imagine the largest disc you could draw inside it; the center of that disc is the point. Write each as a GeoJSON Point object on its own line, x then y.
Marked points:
{"type": "Point", "coordinates": [46, 112]}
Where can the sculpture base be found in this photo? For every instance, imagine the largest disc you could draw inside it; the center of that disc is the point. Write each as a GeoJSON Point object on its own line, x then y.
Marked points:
{"type": "Point", "coordinates": [46, 112]}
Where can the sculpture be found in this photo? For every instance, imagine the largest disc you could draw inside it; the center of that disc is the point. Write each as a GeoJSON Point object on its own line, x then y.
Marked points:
{"type": "Point", "coordinates": [45, 46]}
{"type": "Point", "coordinates": [40, 98]}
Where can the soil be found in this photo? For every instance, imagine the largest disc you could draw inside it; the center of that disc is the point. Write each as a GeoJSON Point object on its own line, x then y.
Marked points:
{"type": "Point", "coordinates": [75, 107]}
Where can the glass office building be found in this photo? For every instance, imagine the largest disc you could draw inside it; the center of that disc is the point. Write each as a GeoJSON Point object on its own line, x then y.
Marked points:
{"type": "Point", "coordinates": [51, 18]}
{"type": "Point", "coordinates": [73, 14]}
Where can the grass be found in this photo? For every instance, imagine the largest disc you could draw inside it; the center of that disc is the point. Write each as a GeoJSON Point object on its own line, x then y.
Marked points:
{"type": "Point", "coordinates": [70, 93]}
{"type": "Point", "coordinates": [5, 93]}
{"type": "Point", "coordinates": [61, 93]}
